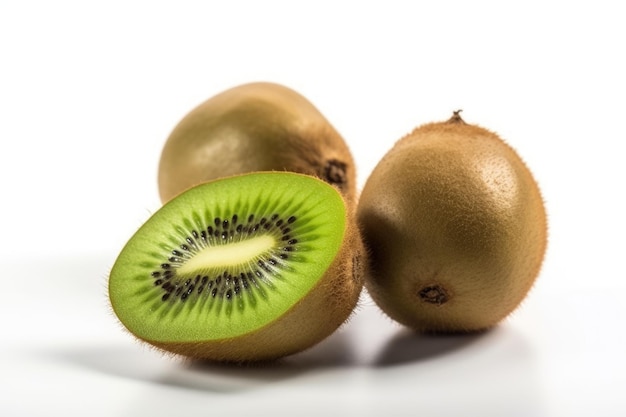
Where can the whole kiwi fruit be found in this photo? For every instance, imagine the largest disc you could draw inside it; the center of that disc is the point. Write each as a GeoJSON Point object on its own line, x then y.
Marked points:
{"type": "Point", "coordinates": [246, 268]}
{"type": "Point", "coordinates": [259, 126]}
{"type": "Point", "coordinates": [455, 227]}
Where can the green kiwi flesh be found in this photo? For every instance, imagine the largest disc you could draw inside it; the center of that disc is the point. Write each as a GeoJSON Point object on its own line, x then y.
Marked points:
{"type": "Point", "coordinates": [455, 227]}
{"type": "Point", "coordinates": [245, 268]}
{"type": "Point", "coordinates": [259, 126]}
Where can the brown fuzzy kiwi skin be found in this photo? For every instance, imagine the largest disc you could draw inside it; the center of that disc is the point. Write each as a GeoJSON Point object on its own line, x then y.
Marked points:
{"type": "Point", "coordinates": [259, 126]}
{"type": "Point", "coordinates": [316, 316]}
{"type": "Point", "coordinates": [455, 227]}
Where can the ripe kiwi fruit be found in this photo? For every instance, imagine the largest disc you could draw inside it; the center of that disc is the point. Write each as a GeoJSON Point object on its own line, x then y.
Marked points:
{"type": "Point", "coordinates": [455, 227]}
{"type": "Point", "coordinates": [246, 268]}
{"type": "Point", "coordinates": [259, 126]}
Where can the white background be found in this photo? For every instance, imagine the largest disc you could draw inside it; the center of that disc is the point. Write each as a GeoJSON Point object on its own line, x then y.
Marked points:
{"type": "Point", "coordinates": [89, 91]}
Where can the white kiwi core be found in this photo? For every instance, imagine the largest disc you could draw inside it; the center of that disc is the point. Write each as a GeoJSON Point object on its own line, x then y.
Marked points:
{"type": "Point", "coordinates": [236, 253]}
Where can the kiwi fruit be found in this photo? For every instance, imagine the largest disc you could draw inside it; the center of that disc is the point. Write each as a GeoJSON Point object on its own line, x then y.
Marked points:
{"type": "Point", "coordinates": [246, 268]}
{"type": "Point", "coordinates": [455, 227]}
{"type": "Point", "coordinates": [259, 126]}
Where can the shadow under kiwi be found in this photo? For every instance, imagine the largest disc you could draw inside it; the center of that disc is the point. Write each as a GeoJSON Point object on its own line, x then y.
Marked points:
{"type": "Point", "coordinates": [409, 346]}
{"type": "Point", "coordinates": [329, 355]}
{"type": "Point", "coordinates": [151, 366]}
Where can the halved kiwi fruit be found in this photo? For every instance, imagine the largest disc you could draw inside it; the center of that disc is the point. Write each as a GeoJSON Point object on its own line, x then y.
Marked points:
{"type": "Point", "coordinates": [245, 268]}
{"type": "Point", "coordinates": [455, 227]}
{"type": "Point", "coordinates": [259, 126]}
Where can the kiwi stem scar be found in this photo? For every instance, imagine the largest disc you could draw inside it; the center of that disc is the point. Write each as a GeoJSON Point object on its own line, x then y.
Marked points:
{"type": "Point", "coordinates": [434, 294]}
{"type": "Point", "coordinates": [227, 255]}
{"type": "Point", "coordinates": [335, 172]}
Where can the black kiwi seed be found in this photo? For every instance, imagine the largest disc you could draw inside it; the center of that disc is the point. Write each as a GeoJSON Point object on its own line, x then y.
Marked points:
{"type": "Point", "coordinates": [263, 266]}
{"type": "Point", "coordinates": [231, 282]}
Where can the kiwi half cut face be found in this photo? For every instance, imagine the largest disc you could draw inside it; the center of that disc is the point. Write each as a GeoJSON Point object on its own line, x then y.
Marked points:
{"type": "Point", "coordinates": [249, 267]}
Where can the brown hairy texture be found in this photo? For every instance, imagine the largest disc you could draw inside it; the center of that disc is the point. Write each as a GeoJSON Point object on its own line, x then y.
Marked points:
{"type": "Point", "coordinates": [254, 127]}
{"type": "Point", "coordinates": [455, 226]}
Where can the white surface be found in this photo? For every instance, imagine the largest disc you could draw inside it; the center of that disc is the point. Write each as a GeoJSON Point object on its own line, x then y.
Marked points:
{"type": "Point", "coordinates": [88, 94]}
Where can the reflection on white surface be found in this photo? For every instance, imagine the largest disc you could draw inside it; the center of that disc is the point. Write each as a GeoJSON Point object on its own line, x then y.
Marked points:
{"type": "Point", "coordinates": [66, 350]}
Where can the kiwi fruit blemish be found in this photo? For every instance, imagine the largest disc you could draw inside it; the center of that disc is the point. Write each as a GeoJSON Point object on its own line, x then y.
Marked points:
{"type": "Point", "coordinates": [455, 227]}
{"type": "Point", "coordinates": [259, 126]}
{"type": "Point", "coordinates": [245, 268]}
